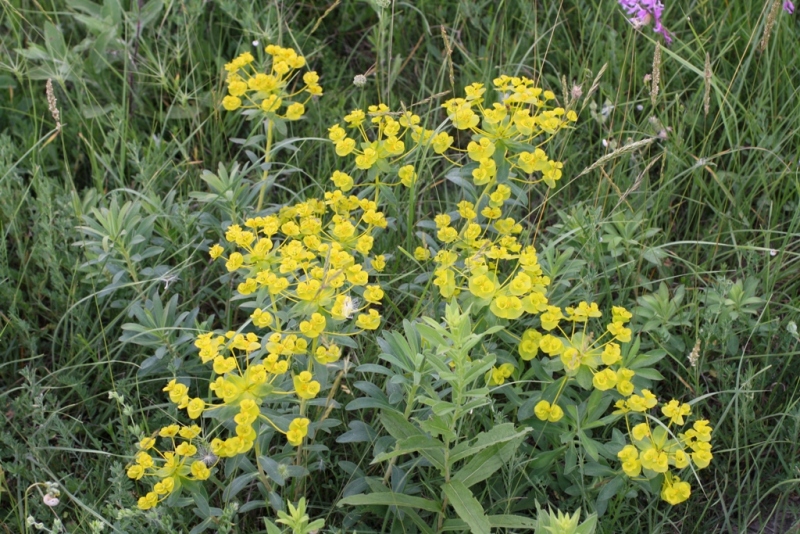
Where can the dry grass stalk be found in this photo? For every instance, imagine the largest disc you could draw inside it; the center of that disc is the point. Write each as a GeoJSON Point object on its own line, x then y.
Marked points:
{"type": "Point", "coordinates": [655, 79]}
{"type": "Point", "coordinates": [52, 103]}
{"type": "Point", "coordinates": [771, 18]}
{"type": "Point", "coordinates": [707, 82]}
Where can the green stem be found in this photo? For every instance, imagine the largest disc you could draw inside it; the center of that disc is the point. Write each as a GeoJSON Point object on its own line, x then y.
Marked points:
{"type": "Point", "coordinates": [265, 174]}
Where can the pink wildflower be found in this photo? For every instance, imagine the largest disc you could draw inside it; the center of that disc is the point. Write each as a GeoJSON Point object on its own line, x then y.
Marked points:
{"type": "Point", "coordinates": [645, 11]}
{"type": "Point", "coordinates": [788, 6]}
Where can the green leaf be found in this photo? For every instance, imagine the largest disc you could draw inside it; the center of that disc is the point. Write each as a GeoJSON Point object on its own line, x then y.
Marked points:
{"type": "Point", "coordinates": [411, 445]}
{"type": "Point", "coordinates": [399, 428]}
{"type": "Point", "coordinates": [486, 462]}
{"type": "Point", "coordinates": [511, 521]}
{"type": "Point", "coordinates": [467, 506]}
{"type": "Point", "coordinates": [499, 434]}
{"type": "Point", "coordinates": [54, 41]}
{"type": "Point", "coordinates": [390, 498]}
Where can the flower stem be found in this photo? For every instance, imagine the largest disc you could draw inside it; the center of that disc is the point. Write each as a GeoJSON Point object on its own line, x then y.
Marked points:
{"type": "Point", "coordinates": [265, 174]}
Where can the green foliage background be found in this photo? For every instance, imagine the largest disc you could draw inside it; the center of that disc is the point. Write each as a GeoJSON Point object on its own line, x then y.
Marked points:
{"type": "Point", "coordinates": [106, 223]}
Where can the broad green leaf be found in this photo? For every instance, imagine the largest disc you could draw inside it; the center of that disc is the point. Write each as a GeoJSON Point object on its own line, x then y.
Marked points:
{"type": "Point", "coordinates": [467, 506]}
{"type": "Point", "coordinates": [399, 428]}
{"type": "Point", "coordinates": [54, 41]}
{"type": "Point", "coordinates": [389, 498]}
{"type": "Point", "coordinates": [411, 445]}
{"type": "Point", "coordinates": [499, 434]}
{"type": "Point", "coordinates": [486, 462]}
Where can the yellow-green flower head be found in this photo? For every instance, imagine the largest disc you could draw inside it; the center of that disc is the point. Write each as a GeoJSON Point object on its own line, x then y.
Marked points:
{"type": "Point", "coordinates": [529, 346]}
{"type": "Point", "coordinates": [676, 412]}
{"type": "Point", "coordinates": [481, 150]}
{"type": "Point", "coordinates": [407, 175]}
{"type": "Point", "coordinates": [551, 345]}
{"type": "Point", "coordinates": [551, 317]}
{"type": "Point", "coordinates": [304, 386]}
{"type": "Point", "coordinates": [620, 332]}
{"type": "Point", "coordinates": [498, 375]}
{"type": "Point", "coordinates": [605, 379]}
{"type": "Point", "coordinates": [547, 412]}
{"type": "Point", "coordinates": [675, 491]}
{"type": "Point", "coordinates": [441, 142]}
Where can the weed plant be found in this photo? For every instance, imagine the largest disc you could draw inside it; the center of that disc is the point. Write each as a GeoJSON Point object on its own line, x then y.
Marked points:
{"type": "Point", "coordinates": [677, 200]}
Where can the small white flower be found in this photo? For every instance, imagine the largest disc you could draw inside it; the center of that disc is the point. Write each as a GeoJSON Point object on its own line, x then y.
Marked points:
{"type": "Point", "coordinates": [255, 42]}
{"type": "Point", "coordinates": [773, 252]}
{"type": "Point", "coordinates": [349, 306]}
{"type": "Point", "coordinates": [50, 500]}
{"type": "Point", "coordinates": [359, 80]}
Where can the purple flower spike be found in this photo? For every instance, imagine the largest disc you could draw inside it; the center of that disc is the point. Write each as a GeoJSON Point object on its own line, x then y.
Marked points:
{"type": "Point", "coordinates": [646, 11]}
{"type": "Point", "coordinates": [788, 6]}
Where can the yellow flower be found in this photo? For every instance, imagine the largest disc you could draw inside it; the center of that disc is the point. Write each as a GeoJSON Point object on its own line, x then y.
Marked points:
{"type": "Point", "coordinates": [675, 491]}
{"type": "Point", "coordinates": [529, 346]}
{"type": "Point", "coordinates": [270, 104]}
{"type": "Point", "coordinates": [195, 408]}
{"type": "Point", "coordinates": [506, 307]}
{"type": "Point", "coordinates": [551, 345]}
{"type": "Point", "coordinates": [655, 460]}
{"type": "Point", "coordinates": [379, 263]}
{"type": "Point", "coordinates": [369, 321]}
{"type": "Point", "coordinates": [328, 355]}
{"type": "Point", "coordinates": [619, 332]}
{"type": "Point", "coordinates": [547, 412]}
{"type": "Point", "coordinates": [216, 251]}
{"type": "Point", "coordinates": [200, 471]}
{"type": "Point", "coordinates": [441, 142]}
{"type": "Point", "coordinates": [135, 472]}
{"type": "Point", "coordinates": [640, 431]}
{"type": "Point", "coordinates": [422, 254]}
{"type": "Point", "coordinates": [611, 354]}
{"type": "Point", "coordinates": [190, 432]}
{"type": "Point", "coordinates": [234, 262]}
{"type": "Point", "coordinates": [261, 318]}
{"type": "Point", "coordinates": [407, 175]}
{"type": "Point", "coordinates": [185, 449]}
{"type": "Point", "coordinates": [295, 111]}
{"type": "Point", "coordinates": [165, 487]}
{"type": "Point", "coordinates": [605, 380]}
{"type": "Point", "coordinates": [481, 150]}
{"type": "Point", "coordinates": [620, 314]}
{"type": "Point", "coordinates": [355, 118]}
{"type": "Point", "coordinates": [304, 386]}
{"type": "Point", "coordinates": [231, 103]}
{"type": "Point", "coordinates": [373, 294]}
{"type": "Point", "coordinates": [497, 375]}
{"type": "Point", "coordinates": [169, 431]}
{"type": "Point", "coordinates": [224, 365]}
{"type": "Point", "coordinates": [676, 411]}
{"type": "Point", "coordinates": [345, 146]}
{"type": "Point", "coordinates": [148, 501]}
{"type": "Point", "coordinates": [551, 317]}
{"type": "Point", "coordinates": [342, 180]}
{"type": "Point", "coordinates": [336, 133]}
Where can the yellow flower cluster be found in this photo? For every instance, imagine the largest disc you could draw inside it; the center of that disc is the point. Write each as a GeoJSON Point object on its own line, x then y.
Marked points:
{"type": "Point", "coordinates": [577, 354]}
{"type": "Point", "coordinates": [505, 132]}
{"type": "Point", "coordinates": [483, 259]}
{"type": "Point", "coordinates": [172, 468]}
{"type": "Point", "coordinates": [312, 261]}
{"type": "Point", "coordinates": [377, 139]}
{"type": "Point", "coordinates": [250, 88]}
{"type": "Point", "coordinates": [654, 449]}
